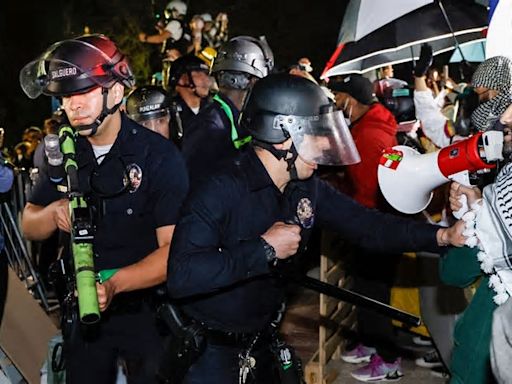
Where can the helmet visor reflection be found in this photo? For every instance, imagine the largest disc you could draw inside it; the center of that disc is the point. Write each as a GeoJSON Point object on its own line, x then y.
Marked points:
{"type": "Point", "coordinates": [324, 139]}
{"type": "Point", "coordinates": [51, 75]}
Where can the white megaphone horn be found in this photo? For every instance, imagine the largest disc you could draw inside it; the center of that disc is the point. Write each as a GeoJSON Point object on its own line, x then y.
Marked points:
{"type": "Point", "coordinates": [407, 178]}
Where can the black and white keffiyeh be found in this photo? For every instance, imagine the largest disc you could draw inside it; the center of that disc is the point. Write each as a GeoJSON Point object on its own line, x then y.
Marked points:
{"type": "Point", "coordinates": [493, 230]}
{"type": "Point", "coordinates": [494, 73]}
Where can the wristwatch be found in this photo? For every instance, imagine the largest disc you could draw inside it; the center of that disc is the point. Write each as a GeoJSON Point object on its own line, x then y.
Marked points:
{"type": "Point", "coordinates": [270, 252]}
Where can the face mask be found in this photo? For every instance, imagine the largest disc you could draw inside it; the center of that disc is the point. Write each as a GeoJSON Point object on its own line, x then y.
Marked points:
{"type": "Point", "coordinates": [347, 115]}
{"type": "Point", "coordinates": [486, 114]}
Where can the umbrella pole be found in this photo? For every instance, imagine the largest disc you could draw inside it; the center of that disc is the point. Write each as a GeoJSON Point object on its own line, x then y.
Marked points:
{"type": "Point", "coordinates": [443, 11]}
{"type": "Point", "coordinates": [412, 57]}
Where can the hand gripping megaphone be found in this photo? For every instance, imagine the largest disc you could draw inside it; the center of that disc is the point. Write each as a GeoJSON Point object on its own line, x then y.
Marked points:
{"type": "Point", "coordinates": [407, 178]}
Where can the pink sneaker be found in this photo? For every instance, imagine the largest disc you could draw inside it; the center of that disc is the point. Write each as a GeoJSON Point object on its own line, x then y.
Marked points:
{"type": "Point", "coordinates": [360, 354]}
{"type": "Point", "coordinates": [379, 370]}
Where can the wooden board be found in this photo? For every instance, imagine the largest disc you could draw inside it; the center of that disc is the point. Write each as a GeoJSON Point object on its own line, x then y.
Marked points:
{"type": "Point", "coordinates": [25, 330]}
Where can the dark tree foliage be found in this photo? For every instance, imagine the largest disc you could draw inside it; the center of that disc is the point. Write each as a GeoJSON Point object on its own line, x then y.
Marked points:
{"type": "Point", "coordinates": [293, 28]}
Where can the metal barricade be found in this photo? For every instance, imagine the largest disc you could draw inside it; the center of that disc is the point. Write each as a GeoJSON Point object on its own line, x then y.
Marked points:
{"type": "Point", "coordinates": [17, 249]}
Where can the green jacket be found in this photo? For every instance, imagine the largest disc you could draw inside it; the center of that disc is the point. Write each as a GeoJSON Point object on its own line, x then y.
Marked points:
{"type": "Point", "coordinates": [472, 335]}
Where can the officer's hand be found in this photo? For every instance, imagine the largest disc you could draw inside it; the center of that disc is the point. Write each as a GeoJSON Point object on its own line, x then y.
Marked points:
{"type": "Point", "coordinates": [142, 37]}
{"type": "Point", "coordinates": [452, 235]}
{"type": "Point", "coordinates": [285, 239]}
{"type": "Point", "coordinates": [457, 190]}
{"type": "Point", "coordinates": [61, 215]}
{"type": "Point", "coordinates": [105, 292]}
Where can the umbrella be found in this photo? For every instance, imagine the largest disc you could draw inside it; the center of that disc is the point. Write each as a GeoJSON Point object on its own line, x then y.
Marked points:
{"type": "Point", "coordinates": [365, 16]}
{"type": "Point", "coordinates": [474, 52]}
{"type": "Point", "coordinates": [400, 40]}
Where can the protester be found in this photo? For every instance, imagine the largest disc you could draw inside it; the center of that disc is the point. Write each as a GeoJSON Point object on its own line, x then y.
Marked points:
{"type": "Point", "coordinates": [386, 81]}
{"type": "Point", "coordinates": [501, 345]}
{"type": "Point", "coordinates": [374, 129]}
{"type": "Point", "coordinates": [488, 222]}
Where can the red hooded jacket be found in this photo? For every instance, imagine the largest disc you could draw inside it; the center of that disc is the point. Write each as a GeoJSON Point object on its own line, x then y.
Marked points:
{"type": "Point", "coordinates": [372, 133]}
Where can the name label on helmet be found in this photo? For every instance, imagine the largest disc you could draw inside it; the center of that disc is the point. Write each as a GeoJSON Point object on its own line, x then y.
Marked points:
{"type": "Point", "coordinates": [149, 108]}
{"type": "Point", "coordinates": [64, 72]}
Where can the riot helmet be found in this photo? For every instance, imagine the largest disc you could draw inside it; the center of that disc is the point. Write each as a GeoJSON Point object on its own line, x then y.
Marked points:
{"type": "Point", "coordinates": [149, 106]}
{"type": "Point", "coordinates": [149, 102]}
{"type": "Point", "coordinates": [283, 106]}
{"type": "Point", "coordinates": [245, 54]}
{"type": "Point", "coordinates": [185, 65]}
{"type": "Point", "coordinates": [78, 66]}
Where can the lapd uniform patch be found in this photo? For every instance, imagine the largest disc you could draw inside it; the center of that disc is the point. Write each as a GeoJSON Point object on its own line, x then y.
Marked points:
{"type": "Point", "coordinates": [134, 179]}
{"type": "Point", "coordinates": [305, 213]}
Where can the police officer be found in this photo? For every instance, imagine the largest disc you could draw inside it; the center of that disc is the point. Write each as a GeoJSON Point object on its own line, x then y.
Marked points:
{"type": "Point", "coordinates": [239, 64]}
{"type": "Point", "coordinates": [149, 106]}
{"type": "Point", "coordinates": [217, 138]}
{"type": "Point", "coordinates": [190, 85]}
{"type": "Point", "coordinates": [263, 210]}
{"type": "Point", "coordinates": [202, 134]}
{"type": "Point", "coordinates": [135, 182]}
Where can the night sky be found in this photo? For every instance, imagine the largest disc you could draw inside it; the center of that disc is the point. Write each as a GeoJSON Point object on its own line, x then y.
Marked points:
{"type": "Point", "coordinates": [293, 29]}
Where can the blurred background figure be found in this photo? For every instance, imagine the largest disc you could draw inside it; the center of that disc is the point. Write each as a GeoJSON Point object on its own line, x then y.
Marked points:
{"type": "Point", "coordinates": [24, 150]}
{"type": "Point", "coordinates": [221, 29]}
{"type": "Point", "coordinates": [209, 30]}
{"type": "Point", "coordinates": [174, 35]}
{"type": "Point", "coordinates": [6, 180]}
{"type": "Point", "coordinates": [303, 68]}
{"type": "Point", "coordinates": [196, 25]}
{"type": "Point", "coordinates": [386, 81]}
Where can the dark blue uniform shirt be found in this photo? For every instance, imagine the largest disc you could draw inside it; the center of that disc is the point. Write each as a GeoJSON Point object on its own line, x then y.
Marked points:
{"type": "Point", "coordinates": [207, 146]}
{"type": "Point", "coordinates": [217, 259]}
{"type": "Point", "coordinates": [126, 223]}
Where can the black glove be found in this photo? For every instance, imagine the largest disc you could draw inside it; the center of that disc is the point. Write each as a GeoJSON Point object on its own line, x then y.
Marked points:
{"type": "Point", "coordinates": [425, 60]}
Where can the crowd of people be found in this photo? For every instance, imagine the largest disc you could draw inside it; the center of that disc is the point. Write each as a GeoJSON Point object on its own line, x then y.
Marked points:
{"type": "Point", "coordinates": [202, 188]}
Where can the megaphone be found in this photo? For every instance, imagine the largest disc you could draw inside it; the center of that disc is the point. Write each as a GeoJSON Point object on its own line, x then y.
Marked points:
{"type": "Point", "coordinates": [407, 178]}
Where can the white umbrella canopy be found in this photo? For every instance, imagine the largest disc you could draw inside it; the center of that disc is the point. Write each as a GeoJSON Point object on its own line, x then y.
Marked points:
{"type": "Point", "coordinates": [365, 16]}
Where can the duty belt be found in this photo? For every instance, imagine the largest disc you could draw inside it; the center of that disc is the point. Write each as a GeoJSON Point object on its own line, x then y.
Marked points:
{"type": "Point", "coordinates": [228, 339]}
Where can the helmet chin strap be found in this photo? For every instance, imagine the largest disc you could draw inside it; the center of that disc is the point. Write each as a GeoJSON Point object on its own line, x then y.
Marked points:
{"type": "Point", "coordinates": [99, 120]}
{"type": "Point", "coordinates": [282, 154]}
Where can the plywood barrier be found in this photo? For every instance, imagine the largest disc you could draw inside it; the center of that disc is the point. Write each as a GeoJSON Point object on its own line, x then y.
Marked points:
{"type": "Point", "coordinates": [335, 315]}
{"type": "Point", "coordinates": [25, 331]}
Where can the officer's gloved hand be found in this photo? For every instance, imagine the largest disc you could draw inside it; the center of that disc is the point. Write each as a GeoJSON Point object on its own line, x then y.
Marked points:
{"type": "Point", "coordinates": [425, 60]}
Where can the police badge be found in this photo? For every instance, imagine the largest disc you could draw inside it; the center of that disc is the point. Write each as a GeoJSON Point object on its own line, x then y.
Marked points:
{"type": "Point", "coordinates": [134, 178]}
{"type": "Point", "coordinates": [305, 213]}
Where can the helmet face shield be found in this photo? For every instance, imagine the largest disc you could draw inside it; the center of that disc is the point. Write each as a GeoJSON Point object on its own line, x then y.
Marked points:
{"type": "Point", "coordinates": [324, 139]}
{"type": "Point", "coordinates": [70, 67]}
